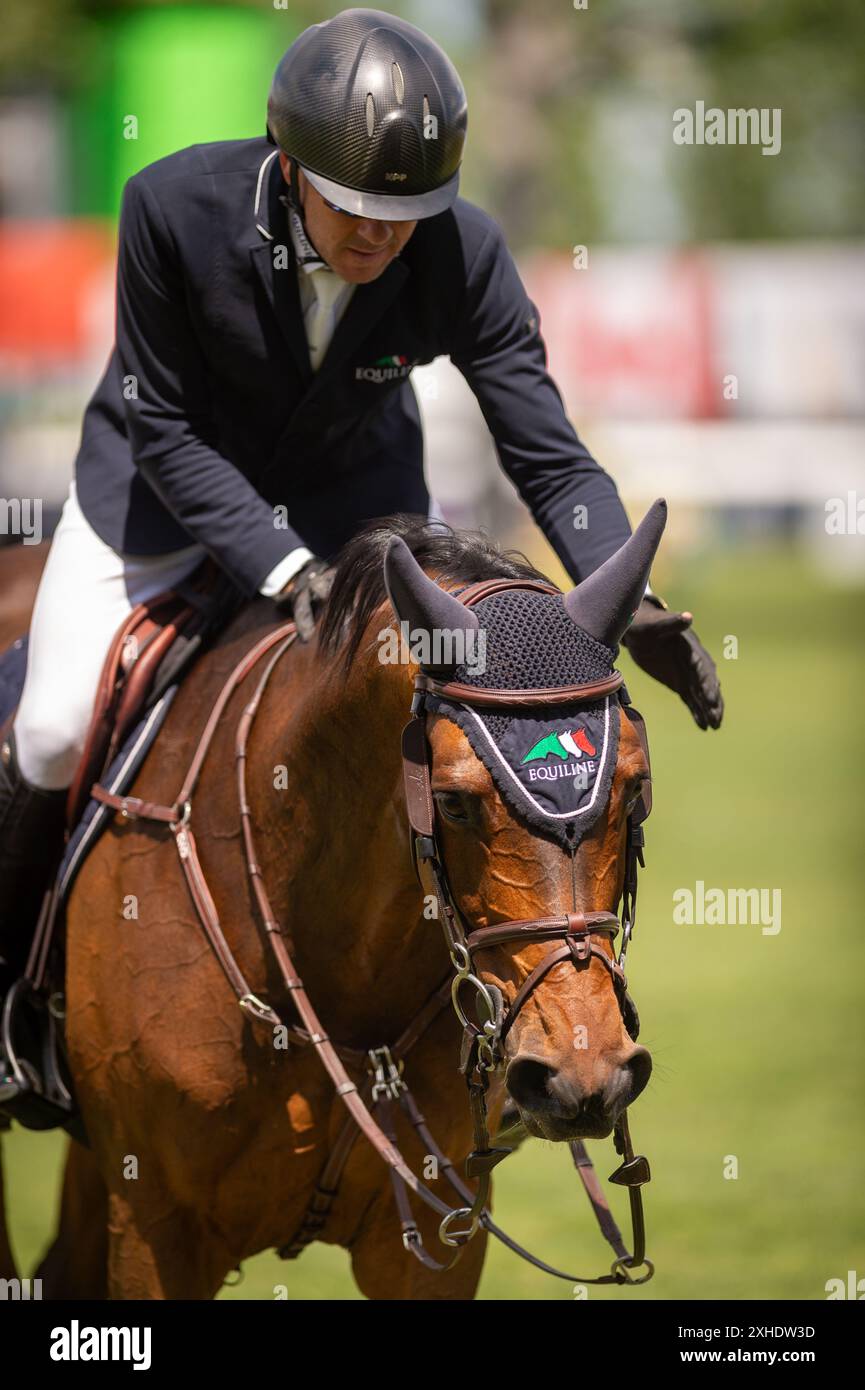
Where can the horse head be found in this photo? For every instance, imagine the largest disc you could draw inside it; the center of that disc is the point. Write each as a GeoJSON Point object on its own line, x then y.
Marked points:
{"type": "Point", "coordinates": [538, 777]}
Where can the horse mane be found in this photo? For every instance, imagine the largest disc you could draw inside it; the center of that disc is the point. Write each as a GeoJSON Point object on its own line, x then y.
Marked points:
{"type": "Point", "coordinates": [358, 585]}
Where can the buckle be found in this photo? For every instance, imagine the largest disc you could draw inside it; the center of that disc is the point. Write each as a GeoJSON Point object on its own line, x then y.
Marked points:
{"type": "Point", "coordinates": [257, 1009]}
{"type": "Point", "coordinates": [386, 1073]}
{"type": "Point", "coordinates": [411, 1238]}
{"type": "Point", "coordinates": [579, 945]}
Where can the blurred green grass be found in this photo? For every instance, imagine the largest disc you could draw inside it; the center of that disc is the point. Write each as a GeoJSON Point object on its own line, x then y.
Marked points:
{"type": "Point", "coordinates": [756, 1040]}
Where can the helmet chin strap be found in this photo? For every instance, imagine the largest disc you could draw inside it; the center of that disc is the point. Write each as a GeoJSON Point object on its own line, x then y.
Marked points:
{"type": "Point", "coordinates": [294, 188]}
{"type": "Point", "coordinates": [294, 207]}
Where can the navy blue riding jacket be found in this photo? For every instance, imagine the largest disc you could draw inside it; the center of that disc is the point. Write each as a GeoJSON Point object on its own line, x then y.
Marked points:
{"type": "Point", "coordinates": [209, 416]}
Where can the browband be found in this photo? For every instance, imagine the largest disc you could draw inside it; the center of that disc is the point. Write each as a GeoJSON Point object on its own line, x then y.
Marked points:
{"type": "Point", "coordinates": [542, 695]}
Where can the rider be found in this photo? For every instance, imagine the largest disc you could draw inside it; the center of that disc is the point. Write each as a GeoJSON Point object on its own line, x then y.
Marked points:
{"type": "Point", "coordinates": [256, 408]}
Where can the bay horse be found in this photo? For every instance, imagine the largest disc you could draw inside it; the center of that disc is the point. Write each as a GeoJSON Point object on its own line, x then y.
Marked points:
{"type": "Point", "coordinates": [207, 1138]}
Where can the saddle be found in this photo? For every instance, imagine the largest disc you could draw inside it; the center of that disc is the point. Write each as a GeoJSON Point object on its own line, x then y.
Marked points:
{"type": "Point", "coordinates": [151, 652]}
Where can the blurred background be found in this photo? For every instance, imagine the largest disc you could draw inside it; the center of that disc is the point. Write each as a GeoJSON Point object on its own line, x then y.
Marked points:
{"type": "Point", "coordinates": [704, 313]}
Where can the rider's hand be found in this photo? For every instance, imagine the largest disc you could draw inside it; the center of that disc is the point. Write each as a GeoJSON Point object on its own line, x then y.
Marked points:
{"type": "Point", "coordinates": [305, 595]}
{"type": "Point", "coordinates": [666, 646]}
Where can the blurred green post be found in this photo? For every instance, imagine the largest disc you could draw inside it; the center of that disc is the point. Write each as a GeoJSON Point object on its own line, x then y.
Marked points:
{"type": "Point", "coordinates": [166, 78]}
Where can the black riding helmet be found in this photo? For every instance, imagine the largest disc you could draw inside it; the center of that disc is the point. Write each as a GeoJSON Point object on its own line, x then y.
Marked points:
{"type": "Point", "coordinates": [374, 113]}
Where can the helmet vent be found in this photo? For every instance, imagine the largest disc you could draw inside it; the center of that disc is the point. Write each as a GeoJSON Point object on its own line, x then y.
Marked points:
{"type": "Point", "coordinates": [398, 82]}
{"type": "Point", "coordinates": [370, 114]}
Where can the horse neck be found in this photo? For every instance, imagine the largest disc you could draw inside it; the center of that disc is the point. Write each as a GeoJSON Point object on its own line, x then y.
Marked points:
{"type": "Point", "coordinates": [338, 849]}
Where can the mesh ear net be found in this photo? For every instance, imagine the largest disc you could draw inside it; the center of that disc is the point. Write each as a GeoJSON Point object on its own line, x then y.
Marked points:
{"type": "Point", "coordinates": [532, 642]}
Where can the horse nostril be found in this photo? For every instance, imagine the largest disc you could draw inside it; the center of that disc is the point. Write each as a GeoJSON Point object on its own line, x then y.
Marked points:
{"type": "Point", "coordinates": [528, 1081]}
{"type": "Point", "coordinates": [639, 1064]}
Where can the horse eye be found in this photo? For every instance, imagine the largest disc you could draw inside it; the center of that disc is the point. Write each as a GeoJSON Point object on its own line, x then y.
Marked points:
{"type": "Point", "coordinates": [635, 796]}
{"type": "Point", "coordinates": [451, 805]}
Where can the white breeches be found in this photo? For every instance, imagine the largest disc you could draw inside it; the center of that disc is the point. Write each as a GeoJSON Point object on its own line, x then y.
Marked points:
{"type": "Point", "coordinates": [87, 590]}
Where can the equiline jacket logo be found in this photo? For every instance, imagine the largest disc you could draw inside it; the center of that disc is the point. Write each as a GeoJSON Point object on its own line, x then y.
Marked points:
{"type": "Point", "coordinates": [390, 368]}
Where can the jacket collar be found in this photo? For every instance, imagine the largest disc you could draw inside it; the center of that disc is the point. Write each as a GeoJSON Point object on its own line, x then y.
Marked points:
{"type": "Point", "coordinates": [279, 279]}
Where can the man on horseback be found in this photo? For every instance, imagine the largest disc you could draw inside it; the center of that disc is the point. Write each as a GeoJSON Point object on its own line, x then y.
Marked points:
{"type": "Point", "coordinates": [256, 408]}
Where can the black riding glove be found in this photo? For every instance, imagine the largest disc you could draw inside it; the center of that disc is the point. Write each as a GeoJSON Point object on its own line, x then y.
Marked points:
{"type": "Point", "coordinates": [305, 595]}
{"type": "Point", "coordinates": [664, 645]}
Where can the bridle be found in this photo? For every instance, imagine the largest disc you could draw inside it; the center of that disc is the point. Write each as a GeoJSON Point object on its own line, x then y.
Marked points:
{"type": "Point", "coordinates": [483, 1041]}
{"type": "Point", "coordinates": [371, 1101]}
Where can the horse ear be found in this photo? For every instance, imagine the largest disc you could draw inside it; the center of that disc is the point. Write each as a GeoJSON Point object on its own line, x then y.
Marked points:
{"type": "Point", "coordinates": [606, 601]}
{"type": "Point", "coordinates": [417, 599]}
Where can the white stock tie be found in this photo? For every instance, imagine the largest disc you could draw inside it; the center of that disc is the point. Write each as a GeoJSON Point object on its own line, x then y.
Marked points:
{"type": "Point", "coordinates": [321, 316]}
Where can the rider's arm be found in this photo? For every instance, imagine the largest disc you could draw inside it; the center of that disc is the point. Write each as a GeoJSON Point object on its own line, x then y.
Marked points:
{"type": "Point", "coordinates": [499, 350]}
{"type": "Point", "coordinates": [169, 420]}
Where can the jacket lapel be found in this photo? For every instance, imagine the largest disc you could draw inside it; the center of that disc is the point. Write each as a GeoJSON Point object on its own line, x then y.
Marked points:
{"type": "Point", "coordinates": [275, 267]}
{"type": "Point", "coordinates": [272, 256]}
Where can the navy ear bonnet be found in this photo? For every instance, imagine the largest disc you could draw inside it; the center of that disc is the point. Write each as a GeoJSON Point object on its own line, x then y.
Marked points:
{"type": "Point", "coordinates": [552, 764]}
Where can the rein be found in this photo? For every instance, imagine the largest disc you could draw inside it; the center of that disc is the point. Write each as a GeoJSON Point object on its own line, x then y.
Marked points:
{"type": "Point", "coordinates": [370, 1103]}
